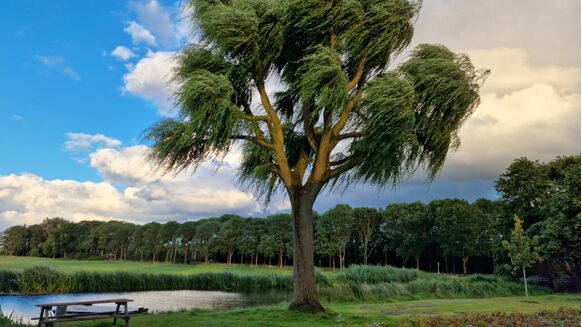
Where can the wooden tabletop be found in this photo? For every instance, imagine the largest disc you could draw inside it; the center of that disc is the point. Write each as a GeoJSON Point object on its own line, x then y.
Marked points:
{"type": "Point", "coordinates": [85, 302]}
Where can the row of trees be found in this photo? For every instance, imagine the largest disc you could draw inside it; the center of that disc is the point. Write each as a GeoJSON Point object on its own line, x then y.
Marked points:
{"type": "Point", "coordinates": [447, 229]}
{"type": "Point", "coordinates": [443, 233]}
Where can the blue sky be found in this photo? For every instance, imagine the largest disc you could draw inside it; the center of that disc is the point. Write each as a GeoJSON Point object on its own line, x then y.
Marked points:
{"type": "Point", "coordinates": [81, 80]}
{"type": "Point", "coordinates": [40, 103]}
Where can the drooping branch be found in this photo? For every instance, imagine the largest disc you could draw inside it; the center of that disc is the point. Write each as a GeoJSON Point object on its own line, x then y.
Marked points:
{"type": "Point", "coordinates": [255, 139]}
{"type": "Point", "coordinates": [348, 164]}
{"type": "Point", "coordinates": [351, 135]}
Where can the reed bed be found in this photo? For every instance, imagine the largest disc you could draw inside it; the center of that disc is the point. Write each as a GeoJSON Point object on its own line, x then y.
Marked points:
{"type": "Point", "coordinates": [355, 283]}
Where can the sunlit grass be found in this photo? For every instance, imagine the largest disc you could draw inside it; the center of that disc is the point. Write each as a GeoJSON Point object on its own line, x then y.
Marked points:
{"type": "Point", "coordinates": [395, 313]}
{"type": "Point", "coordinates": [68, 265]}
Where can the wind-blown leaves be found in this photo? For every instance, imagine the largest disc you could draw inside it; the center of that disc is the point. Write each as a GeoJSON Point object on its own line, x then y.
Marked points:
{"type": "Point", "coordinates": [446, 87]}
{"type": "Point", "coordinates": [322, 79]}
{"type": "Point", "coordinates": [251, 32]}
{"type": "Point", "coordinates": [385, 150]}
{"type": "Point", "coordinates": [378, 29]}
{"type": "Point", "coordinates": [333, 59]}
{"type": "Point", "coordinates": [255, 171]}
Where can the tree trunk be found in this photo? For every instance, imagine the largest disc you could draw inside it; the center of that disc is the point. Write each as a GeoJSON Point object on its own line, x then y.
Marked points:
{"type": "Point", "coordinates": [417, 262]}
{"type": "Point", "coordinates": [186, 254]}
{"type": "Point", "coordinates": [281, 259]}
{"type": "Point", "coordinates": [465, 259]}
{"type": "Point", "coordinates": [524, 281]}
{"type": "Point", "coordinates": [365, 252]}
{"type": "Point", "coordinates": [304, 287]}
{"type": "Point", "coordinates": [573, 275]}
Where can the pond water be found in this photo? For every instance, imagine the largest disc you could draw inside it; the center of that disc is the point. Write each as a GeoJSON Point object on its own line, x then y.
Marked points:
{"type": "Point", "coordinates": [23, 306]}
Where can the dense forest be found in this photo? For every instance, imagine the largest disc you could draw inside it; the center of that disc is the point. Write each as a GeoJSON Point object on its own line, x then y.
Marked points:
{"type": "Point", "coordinates": [448, 235]}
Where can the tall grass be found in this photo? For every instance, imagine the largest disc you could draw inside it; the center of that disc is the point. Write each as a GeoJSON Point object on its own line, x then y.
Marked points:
{"type": "Point", "coordinates": [387, 283]}
{"type": "Point", "coordinates": [10, 320]}
{"type": "Point", "coordinates": [354, 283]}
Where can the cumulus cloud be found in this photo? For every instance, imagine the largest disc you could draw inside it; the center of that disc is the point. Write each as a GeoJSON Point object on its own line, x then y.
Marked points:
{"type": "Point", "coordinates": [56, 62]}
{"type": "Point", "coordinates": [166, 24]}
{"type": "Point", "coordinates": [122, 53]}
{"type": "Point", "coordinates": [150, 78]}
{"type": "Point", "coordinates": [526, 110]}
{"type": "Point", "coordinates": [140, 34]}
{"type": "Point", "coordinates": [83, 141]}
{"type": "Point", "coordinates": [548, 30]}
{"type": "Point", "coordinates": [131, 190]}
{"type": "Point", "coordinates": [512, 70]}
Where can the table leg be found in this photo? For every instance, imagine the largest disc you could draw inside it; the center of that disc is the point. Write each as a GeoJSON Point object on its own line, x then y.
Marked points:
{"type": "Point", "coordinates": [116, 312]}
{"type": "Point", "coordinates": [41, 318]}
{"type": "Point", "coordinates": [126, 317]}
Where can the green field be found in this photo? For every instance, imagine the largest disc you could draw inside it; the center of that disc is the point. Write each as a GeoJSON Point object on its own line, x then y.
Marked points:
{"type": "Point", "coordinates": [359, 296]}
{"type": "Point", "coordinates": [386, 314]}
{"type": "Point", "coordinates": [65, 265]}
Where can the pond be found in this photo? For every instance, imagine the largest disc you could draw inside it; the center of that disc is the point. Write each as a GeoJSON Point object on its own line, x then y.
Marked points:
{"type": "Point", "coordinates": [23, 306]}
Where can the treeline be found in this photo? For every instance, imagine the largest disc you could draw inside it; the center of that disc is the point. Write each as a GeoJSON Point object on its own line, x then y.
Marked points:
{"type": "Point", "coordinates": [450, 235]}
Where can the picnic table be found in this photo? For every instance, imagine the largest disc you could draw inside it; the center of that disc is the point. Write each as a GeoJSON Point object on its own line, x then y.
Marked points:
{"type": "Point", "coordinates": [84, 310]}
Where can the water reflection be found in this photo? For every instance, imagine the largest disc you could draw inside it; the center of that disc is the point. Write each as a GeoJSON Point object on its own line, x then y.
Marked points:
{"type": "Point", "coordinates": [22, 306]}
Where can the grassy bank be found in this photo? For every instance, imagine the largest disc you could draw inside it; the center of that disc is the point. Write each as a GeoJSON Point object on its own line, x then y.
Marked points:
{"type": "Point", "coordinates": [17, 264]}
{"type": "Point", "coordinates": [353, 284]}
{"type": "Point", "coordinates": [408, 313]}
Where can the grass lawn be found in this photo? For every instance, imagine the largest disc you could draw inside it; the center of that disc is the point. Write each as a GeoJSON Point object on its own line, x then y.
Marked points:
{"type": "Point", "coordinates": [387, 314]}
{"type": "Point", "coordinates": [66, 265]}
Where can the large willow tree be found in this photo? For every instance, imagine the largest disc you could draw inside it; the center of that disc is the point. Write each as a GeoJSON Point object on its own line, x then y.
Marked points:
{"type": "Point", "coordinates": [342, 112]}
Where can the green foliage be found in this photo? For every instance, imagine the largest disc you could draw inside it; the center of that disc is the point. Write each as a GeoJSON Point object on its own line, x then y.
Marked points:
{"type": "Point", "coordinates": [388, 104]}
{"type": "Point", "coordinates": [43, 280]}
{"type": "Point", "coordinates": [521, 248]}
{"type": "Point", "coordinates": [460, 229]}
{"type": "Point", "coordinates": [322, 80]}
{"type": "Point", "coordinates": [408, 228]}
{"type": "Point", "coordinates": [10, 320]}
{"type": "Point", "coordinates": [334, 231]}
{"type": "Point", "coordinates": [328, 57]}
{"type": "Point", "coordinates": [547, 197]}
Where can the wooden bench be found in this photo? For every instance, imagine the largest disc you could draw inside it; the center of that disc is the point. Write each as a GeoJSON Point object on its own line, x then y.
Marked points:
{"type": "Point", "coordinates": [63, 313]}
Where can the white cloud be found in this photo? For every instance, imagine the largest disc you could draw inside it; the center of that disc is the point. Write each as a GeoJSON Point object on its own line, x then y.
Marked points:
{"type": "Point", "coordinates": [82, 141]}
{"type": "Point", "coordinates": [59, 63]}
{"type": "Point", "coordinates": [150, 79]}
{"type": "Point", "coordinates": [122, 53]}
{"type": "Point", "coordinates": [140, 34]}
{"type": "Point", "coordinates": [511, 70]}
{"type": "Point", "coordinates": [526, 110]}
{"type": "Point", "coordinates": [548, 30]}
{"type": "Point", "coordinates": [159, 20]}
{"type": "Point", "coordinates": [146, 195]}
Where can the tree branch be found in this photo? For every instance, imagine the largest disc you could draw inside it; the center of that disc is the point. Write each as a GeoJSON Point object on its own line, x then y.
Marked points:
{"type": "Point", "coordinates": [254, 139]}
{"type": "Point", "coordinates": [349, 163]}
{"type": "Point", "coordinates": [351, 135]}
{"type": "Point", "coordinates": [309, 131]}
{"type": "Point", "coordinates": [276, 130]}
{"type": "Point", "coordinates": [358, 75]}
{"type": "Point", "coordinates": [344, 115]}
